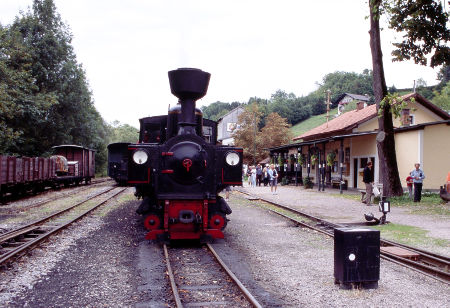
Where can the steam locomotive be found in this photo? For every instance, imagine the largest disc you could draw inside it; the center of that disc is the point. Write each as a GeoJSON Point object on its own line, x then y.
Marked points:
{"type": "Point", "coordinates": [178, 169]}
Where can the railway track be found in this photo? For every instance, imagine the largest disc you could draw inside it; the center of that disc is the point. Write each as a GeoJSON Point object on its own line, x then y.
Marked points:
{"type": "Point", "coordinates": [197, 280]}
{"type": "Point", "coordinates": [78, 189]}
{"type": "Point", "coordinates": [425, 262]}
{"type": "Point", "coordinates": [16, 243]}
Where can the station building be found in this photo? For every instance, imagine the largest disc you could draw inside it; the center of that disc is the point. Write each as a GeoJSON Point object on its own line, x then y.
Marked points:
{"type": "Point", "coordinates": [341, 148]}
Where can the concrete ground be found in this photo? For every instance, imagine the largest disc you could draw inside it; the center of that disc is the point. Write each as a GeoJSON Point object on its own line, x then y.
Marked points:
{"type": "Point", "coordinates": [332, 206]}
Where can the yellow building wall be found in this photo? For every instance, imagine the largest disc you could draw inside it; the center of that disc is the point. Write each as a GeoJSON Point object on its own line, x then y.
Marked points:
{"type": "Point", "coordinates": [369, 125]}
{"type": "Point", "coordinates": [436, 155]}
{"type": "Point", "coordinates": [363, 146]}
{"type": "Point", "coordinates": [421, 115]}
{"type": "Point", "coordinates": [407, 151]}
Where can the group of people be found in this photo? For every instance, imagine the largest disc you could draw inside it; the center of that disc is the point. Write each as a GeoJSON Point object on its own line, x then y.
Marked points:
{"type": "Point", "coordinates": [415, 178]}
{"type": "Point", "coordinates": [266, 175]}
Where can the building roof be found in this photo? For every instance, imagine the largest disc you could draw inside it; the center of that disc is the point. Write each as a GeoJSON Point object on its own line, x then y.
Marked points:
{"type": "Point", "coordinates": [345, 121]}
{"type": "Point", "coordinates": [285, 147]}
{"type": "Point", "coordinates": [426, 103]}
{"type": "Point", "coordinates": [354, 96]}
{"type": "Point", "coordinates": [349, 120]}
{"type": "Point", "coordinates": [231, 111]}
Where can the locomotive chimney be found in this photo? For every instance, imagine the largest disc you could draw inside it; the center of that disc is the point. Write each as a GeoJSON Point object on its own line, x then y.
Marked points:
{"type": "Point", "coordinates": [189, 85]}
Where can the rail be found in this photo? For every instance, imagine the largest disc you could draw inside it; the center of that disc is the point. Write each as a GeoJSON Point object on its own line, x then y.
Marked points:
{"type": "Point", "coordinates": [16, 242]}
{"type": "Point", "coordinates": [428, 263]}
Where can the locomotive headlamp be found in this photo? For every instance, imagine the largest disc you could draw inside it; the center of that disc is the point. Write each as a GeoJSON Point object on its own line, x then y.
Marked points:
{"type": "Point", "coordinates": [140, 157]}
{"type": "Point", "coordinates": [232, 158]}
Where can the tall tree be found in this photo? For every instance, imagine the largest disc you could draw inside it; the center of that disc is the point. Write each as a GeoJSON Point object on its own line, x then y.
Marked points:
{"type": "Point", "coordinates": [442, 99]}
{"type": "Point", "coordinates": [247, 134]}
{"type": "Point", "coordinates": [276, 132]}
{"type": "Point", "coordinates": [44, 93]}
{"type": "Point", "coordinates": [385, 138]}
{"type": "Point", "coordinates": [422, 22]}
{"type": "Point", "coordinates": [23, 107]}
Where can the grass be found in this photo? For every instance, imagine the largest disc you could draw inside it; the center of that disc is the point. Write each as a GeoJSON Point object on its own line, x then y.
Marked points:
{"type": "Point", "coordinates": [310, 123]}
{"type": "Point", "coordinates": [431, 203]}
{"type": "Point", "coordinates": [409, 235]}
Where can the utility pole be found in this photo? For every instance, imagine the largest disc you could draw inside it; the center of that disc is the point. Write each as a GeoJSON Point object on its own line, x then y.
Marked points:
{"type": "Point", "coordinates": [328, 104]}
{"type": "Point", "coordinates": [254, 139]}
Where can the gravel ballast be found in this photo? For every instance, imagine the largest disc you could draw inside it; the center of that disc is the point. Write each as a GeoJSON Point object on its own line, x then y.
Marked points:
{"type": "Point", "coordinates": [104, 261]}
{"type": "Point", "coordinates": [294, 266]}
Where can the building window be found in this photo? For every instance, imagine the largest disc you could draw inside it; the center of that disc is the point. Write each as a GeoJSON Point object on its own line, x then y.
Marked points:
{"type": "Point", "coordinates": [412, 119]}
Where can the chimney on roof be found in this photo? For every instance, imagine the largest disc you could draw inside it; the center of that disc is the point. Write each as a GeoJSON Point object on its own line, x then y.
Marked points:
{"type": "Point", "coordinates": [360, 105]}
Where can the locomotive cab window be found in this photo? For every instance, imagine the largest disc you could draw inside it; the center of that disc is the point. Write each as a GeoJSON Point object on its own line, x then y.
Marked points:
{"type": "Point", "coordinates": [207, 133]}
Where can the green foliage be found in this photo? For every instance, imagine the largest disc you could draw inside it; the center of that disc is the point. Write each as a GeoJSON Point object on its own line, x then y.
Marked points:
{"type": "Point", "coordinates": [442, 99]}
{"type": "Point", "coordinates": [394, 103]}
{"type": "Point", "coordinates": [123, 133]}
{"type": "Point", "coordinates": [311, 122]}
{"type": "Point", "coordinates": [423, 24]}
{"type": "Point", "coordinates": [331, 157]}
{"type": "Point", "coordinates": [314, 159]}
{"type": "Point", "coordinates": [347, 82]}
{"type": "Point", "coordinates": [307, 183]}
{"type": "Point", "coordinates": [44, 94]}
{"type": "Point", "coordinates": [301, 159]}
{"type": "Point", "coordinates": [217, 110]}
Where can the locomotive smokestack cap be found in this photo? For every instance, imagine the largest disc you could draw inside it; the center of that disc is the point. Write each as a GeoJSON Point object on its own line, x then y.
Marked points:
{"type": "Point", "coordinates": [189, 83]}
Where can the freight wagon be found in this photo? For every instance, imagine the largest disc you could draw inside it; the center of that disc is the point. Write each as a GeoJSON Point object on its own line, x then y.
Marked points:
{"type": "Point", "coordinates": [71, 164]}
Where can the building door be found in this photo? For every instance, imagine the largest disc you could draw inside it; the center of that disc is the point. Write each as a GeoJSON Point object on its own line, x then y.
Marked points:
{"type": "Point", "coordinates": [355, 172]}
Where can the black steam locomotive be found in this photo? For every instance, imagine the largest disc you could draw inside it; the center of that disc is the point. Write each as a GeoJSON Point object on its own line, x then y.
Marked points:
{"type": "Point", "coordinates": [179, 170]}
{"type": "Point", "coordinates": [118, 162]}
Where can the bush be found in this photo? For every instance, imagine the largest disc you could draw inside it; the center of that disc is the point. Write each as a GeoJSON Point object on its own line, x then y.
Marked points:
{"type": "Point", "coordinates": [307, 183]}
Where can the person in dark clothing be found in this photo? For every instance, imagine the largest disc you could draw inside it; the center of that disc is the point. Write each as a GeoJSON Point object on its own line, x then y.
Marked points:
{"type": "Point", "coordinates": [368, 180]}
{"type": "Point", "coordinates": [259, 175]}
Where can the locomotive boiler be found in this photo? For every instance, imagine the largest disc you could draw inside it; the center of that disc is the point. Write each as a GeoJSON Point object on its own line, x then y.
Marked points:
{"type": "Point", "coordinates": [178, 169]}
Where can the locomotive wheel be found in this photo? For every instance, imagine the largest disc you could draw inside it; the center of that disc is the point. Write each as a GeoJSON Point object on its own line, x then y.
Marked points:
{"type": "Point", "coordinates": [152, 222]}
{"type": "Point", "coordinates": [218, 221]}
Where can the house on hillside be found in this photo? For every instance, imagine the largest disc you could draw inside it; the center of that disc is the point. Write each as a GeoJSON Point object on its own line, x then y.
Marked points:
{"type": "Point", "coordinates": [344, 99]}
{"type": "Point", "coordinates": [341, 148]}
{"type": "Point", "coordinates": [227, 125]}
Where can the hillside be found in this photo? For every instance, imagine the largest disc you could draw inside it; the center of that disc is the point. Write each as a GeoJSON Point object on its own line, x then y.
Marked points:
{"type": "Point", "coordinates": [311, 122]}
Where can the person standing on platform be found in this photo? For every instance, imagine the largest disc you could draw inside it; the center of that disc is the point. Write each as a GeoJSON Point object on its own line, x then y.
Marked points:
{"type": "Point", "coordinates": [253, 176]}
{"type": "Point", "coordinates": [368, 180]}
{"type": "Point", "coordinates": [258, 175]}
{"type": "Point", "coordinates": [273, 175]}
{"type": "Point", "coordinates": [418, 177]}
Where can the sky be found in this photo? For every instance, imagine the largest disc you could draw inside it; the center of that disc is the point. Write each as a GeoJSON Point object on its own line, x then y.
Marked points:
{"type": "Point", "coordinates": [250, 47]}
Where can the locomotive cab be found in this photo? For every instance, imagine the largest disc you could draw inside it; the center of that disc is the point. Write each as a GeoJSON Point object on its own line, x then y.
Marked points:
{"type": "Point", "coordinates": [179, 176]}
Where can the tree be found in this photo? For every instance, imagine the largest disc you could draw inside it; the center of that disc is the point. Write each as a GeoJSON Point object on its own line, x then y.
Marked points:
{"type": "Point", "coordinates": [247, 136]}
{"type": "Point", "coordinates": [442, 99]}
{"type": "Point", "coordinates": [124, 133]}
{"type": "Point", "coordinates": [23, 107]}
{"type": "Point", "coordinates": [423, 22]}
{"type": "Point", "coordinates": [385, 139]}
{"type": "Point", "coordinates": [276, 132]}
{"type": "Point", "coordinates": [217, 110]}
{"type": "Point", "coordinates": [44, 93]}
{"type": "Point", "coordinates": [346, 82]}
{"type": "Point", "coordinates": [424, 25]}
